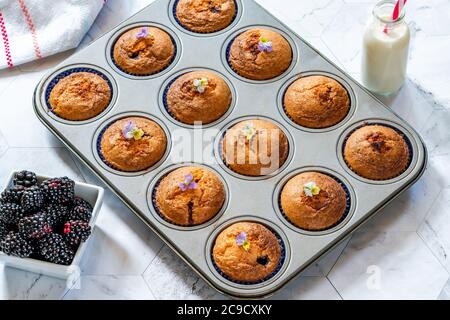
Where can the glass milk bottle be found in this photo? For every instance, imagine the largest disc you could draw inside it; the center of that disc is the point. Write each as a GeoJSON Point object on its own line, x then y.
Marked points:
{"type": "Point", "coordinates": [385, 50]}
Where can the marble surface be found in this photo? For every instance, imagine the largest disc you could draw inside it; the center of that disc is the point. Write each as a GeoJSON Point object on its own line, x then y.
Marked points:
{"type": "Point", "coordinates": [403, 253]}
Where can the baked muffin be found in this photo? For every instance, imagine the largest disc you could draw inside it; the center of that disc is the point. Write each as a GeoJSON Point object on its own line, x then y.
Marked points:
{"type": "Point", "coordinates": [247, 252]}
{"type": "Point", "coordinates": [316, 102]}
{"type": "Point", "coordinates": [144, 51]}
{"type": "Point", "coordinates": [80, 96]}
{"type": "Point", "coordinates": [205, 16]}
{"type": "Point", "coordinates": [133, 144]}
{"type": "Point", "coordinates": [260, 54]}
{"type": "Point", "coordinates": [313, 201]}
{"type": "Point", "coordinates": [190, 196]}
{"type": "Point", "coordinates": [199, 96]}
{"type": "Point", "coordinates": [255, 148]}
{"type": "Point", "coordinates": [377, 152]}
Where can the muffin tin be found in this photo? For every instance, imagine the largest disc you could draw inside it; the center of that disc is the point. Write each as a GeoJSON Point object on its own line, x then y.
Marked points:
{"type": "Point", "coordinates": [248, 199]}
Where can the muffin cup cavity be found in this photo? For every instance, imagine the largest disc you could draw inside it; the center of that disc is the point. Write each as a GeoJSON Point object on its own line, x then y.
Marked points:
{"type": "Point", "coordinates": [96, 144]}
{"type": "Point", "coordinates": [342, 82]}
{"type": "Point", "coordinates": [112, 42]}
{"type": "Point", "coordinates": [153, 188]}
{"type": "Point", "coordinates": [349, 209]}
{"type": "Point", "coordinates": [221, 159]}
{"type": "Point", "coordinates": [173, 16]}
{"type": "Point", "coordinates": [274, 276]}
{"type": "Point", "coordinates": [167, 85]}
{"type": "Point", "coordinates": [412, 148]}
{"type": "Point", "coordinates": [229, 42]}
{"type": "Point", "coordinates": [61, 74]}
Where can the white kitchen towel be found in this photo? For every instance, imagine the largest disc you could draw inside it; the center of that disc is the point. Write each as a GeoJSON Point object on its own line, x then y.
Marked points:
{"type": "Point", "coordinates": [33, 29]}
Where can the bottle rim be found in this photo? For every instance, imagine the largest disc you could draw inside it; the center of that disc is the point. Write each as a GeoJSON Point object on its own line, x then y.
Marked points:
{"type": "Point", "coordinates": [377, 12]}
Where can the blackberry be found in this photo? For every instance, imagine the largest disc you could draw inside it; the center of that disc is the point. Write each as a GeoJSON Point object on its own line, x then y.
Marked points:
{"type": "Point", "coordinates": [57, 214]}
{"type": "Point", "coordinates": [80, 213]}
{"type": "Point", "coordinates": [59, 190]}
{"type": "Point", "coordinates": [35, 226]}
{"type": "Point", "coordinates": [4, 230]}
{"type": "Point", "coordinates": [80, 202]}
{"type": "Point", "coordinates": [32, 199]}
{"type": "Point", "coordinates": [15, 245]}
{"type": "Point", "coordinates": [53, 248]}
{"type": "Point", "coordinates": [76, 232]}
{"type": "Point", "coordinates": [13, 195]}
{"type": "Point", "coordinates": [11, 213]}
{"type": "Point", "coordinates": [25, 178]}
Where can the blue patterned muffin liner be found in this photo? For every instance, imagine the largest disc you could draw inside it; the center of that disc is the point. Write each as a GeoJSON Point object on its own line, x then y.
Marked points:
{"type": "Point", "coordinates": [166, 91]}
{"type": "Point", "coordinates": [148, 74]}
{"type": "Point", "coordinates": [66, 73]}
{"type": "Point", "coordinates": [174, 13]}
{"type": "Point", "coordinates": [348, 205]}
{"type": "Point", "coordinates": [408, 143]}
{"type": "Point", "coordinates": [273, 274]}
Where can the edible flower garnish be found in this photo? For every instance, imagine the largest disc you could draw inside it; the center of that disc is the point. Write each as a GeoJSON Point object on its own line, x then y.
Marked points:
{"type": "Point", "coordinates": [201, 84]}
{"type": "Point", "coordinates": [131, 131]}
{"type": "Point", "coordinates": [311, 189]}
{"type": "Point", "coordinates": [143, 33]}
{"type": "Point", "coordinates": [249, 131]}
{"type": "Point", "coordinates": [188, 183]}
{"type": "Point", "coordinates": [265, 45]}
{"type": "Point", "coordinates": [242, 241]}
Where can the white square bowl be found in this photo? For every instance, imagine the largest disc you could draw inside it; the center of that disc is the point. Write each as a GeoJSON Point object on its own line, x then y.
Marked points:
{"type": "Point", "coordinates": [90, 193]}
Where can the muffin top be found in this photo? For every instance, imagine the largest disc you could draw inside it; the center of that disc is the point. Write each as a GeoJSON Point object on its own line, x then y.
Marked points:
{"type": "Point", "coordinates": [260, 54]}
{"type": "Point", "coordinates": [190, 196]}
{"type": "Point", "coordinates": [316, 102]}
{"type": "Point", "coordinates": [255, 148]}
{"type": "Point", "coordinates": [313, 201]}
{"type": "Point", "coordinates": [247, 252]}
{"type": "Point", "coordinates": [377, 152]}
{"type": "Point", "coordinates": [80, 96]}
{"type": "Point", "coordinates": [206, 16]}
{"type": "Point", "coordinates": [133, 144]}
{"type": "Point", "coordinates": [199, 96]}
{"type": "Point", "coordinates": [144, 51]}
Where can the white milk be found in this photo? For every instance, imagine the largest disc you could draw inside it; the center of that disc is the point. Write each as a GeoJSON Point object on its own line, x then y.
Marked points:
{"type": "Point", "coordinates": [385, 55]}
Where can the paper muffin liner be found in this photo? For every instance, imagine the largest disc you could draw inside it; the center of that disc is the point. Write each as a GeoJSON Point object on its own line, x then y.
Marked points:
{"type": "Point", "coordinates": [67, 73]}
{"type": "Point", "coordinates": [405, 138]}
{"type": "Point", "coordinates": [273, 274]}
{"type": "Point", "coordinates": [175, 52]}
{"type": "Point", "coordinates": [155, 206]}
{"type": "Point", "coordinates": [165, 92]}
{"type": "Point", "coordinates": [99, 148]}
{"type": "Point", "coordinates": [283, 105]}
{"type": "Point", "coordinates": [348, 206]}
{"type": "Point", "coordinates": [174, 13]}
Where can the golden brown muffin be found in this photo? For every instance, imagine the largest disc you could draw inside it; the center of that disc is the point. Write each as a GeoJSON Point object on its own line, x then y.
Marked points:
{"type": "Point", "coordinates": [144, 51]}
{"type": "Point", "coordinates": [260, 54]}
{"type": "Point", "coordinates": [313, 201]}
{"type": "Point", "coordinates": [316, 102]}
{"type": "Point", "coordinates": [199, 96]}
{"type": "Point", "coordinates": [205, 16]}
{"type": "Point", "coordinates": [377, 152]}
{"type": "Point", "coordinates": [247, 252]}
{"type": "Point", "coordinates": [80, 96]}
{"type": "Point", "coordinates": [255, 148]}
{"type": "Point", "coordinates": [190, 196]}
{"type": "Point", "coordinates": [133, 144]}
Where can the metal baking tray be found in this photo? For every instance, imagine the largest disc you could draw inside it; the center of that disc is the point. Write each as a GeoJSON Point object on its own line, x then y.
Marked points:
{"type": "Point", "coordinates": [247, 199]}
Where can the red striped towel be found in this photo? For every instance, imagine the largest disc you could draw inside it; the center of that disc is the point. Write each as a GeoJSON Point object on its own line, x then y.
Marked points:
{"type": "Point", "coordinates": [33, 29]}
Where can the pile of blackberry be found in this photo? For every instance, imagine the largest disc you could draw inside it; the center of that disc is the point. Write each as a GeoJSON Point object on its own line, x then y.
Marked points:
{"type": "Point", "coordinates": [45, 221]}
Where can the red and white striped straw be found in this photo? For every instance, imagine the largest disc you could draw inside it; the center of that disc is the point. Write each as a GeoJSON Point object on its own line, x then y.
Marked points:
{"type": "Point", "coordinates": [398, 9]}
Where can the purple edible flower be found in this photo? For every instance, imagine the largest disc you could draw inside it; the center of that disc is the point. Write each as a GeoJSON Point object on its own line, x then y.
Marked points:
{"type": "Point", "coordinates": [241, 238]}
{"type": "Point", "coordinates": [142, 34]}
{"type": "Point", "coordinates": [188, 183]}
{"type": "Point", "coordinates": [265, 45]}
